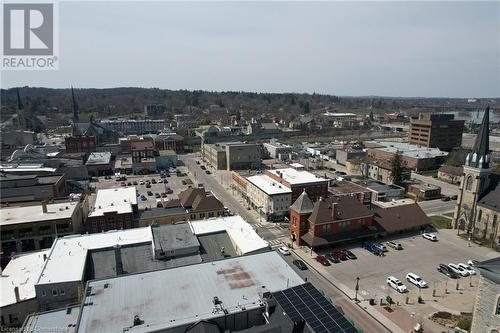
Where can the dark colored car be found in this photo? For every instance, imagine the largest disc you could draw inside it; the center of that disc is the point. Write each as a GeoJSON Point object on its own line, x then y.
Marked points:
{"type": "Point", "coordinates": [332, 258]}
{"type": "Point", "coordinates": [340, 254]}
{"type": "Point", "coordinates": [203, 167]}
{"type": "Point", "coordinates": [447, 271]}
{"type": "Point", "coordinates": [198, 162]}
{"type": "Point", "coordinates": [134, 182]}
{"type": "Point", "coordinates": [168, 190]}
{"type": "Point", "coordinates": [165, 181]}
{"type": "Point", "coordinates": [153, 181]}
{"type": "Point", "coordinates": [207, 172]}
{"type": "Point", "coordinates": [143, 198]}
{"type": "Point", "coordinates": [349, 254]}
{"type": "Point", "coordinates": [157, 195]}
{"type": "Point", "coordinates": [129, 184]}
{"type": "Point", "coordinates": [445, 198]}
{"type": "Point", "coordinates": [300, 264]}
{"type": "Point", "coordinates": [322, 260]}
{"type": "Point", "coordinates": [454, 197]}
{"type": "Point", "coordinates": [150, 193]}
{"type": "Point", "coordinates": [148, 185]}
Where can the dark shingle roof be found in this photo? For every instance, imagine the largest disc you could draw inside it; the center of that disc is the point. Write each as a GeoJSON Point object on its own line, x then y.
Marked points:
{"type": "Point", "coordinates": [188, 196]}
{"type": "Point", "coordinates": [347, 207]}
{"type": "Point", "coordinates": [402, 217]}
{"type": "Point", "coordinates": [203, 202]}
{"type": "Point", "coordinates": [303, 204]}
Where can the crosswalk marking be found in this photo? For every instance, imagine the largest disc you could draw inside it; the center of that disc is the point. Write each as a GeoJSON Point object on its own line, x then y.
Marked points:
{"type": "Point", "coordinates": [274, 242]}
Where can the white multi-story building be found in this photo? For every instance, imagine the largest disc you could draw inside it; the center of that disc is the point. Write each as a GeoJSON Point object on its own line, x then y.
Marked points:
{"type": "Point", "coordinates": [269, 197]}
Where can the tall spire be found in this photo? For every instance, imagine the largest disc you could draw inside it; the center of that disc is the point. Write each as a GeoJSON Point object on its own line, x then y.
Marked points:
{"type": "Point", "coordinates": [75, 106]}
{"type": "Point", "coordinates": [20, 105]}
{"type": "Point", "coordinates": [480, 155]}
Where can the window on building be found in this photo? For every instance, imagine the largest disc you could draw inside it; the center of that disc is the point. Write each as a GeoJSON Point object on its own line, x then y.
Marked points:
{"type": "Point", "coordinates": [480, 215]}
{"type": "Point", "coordinates": [468, 183]}
{"type": "Point", "coordinates": [62, 292]}
{"type": "Point", "coordinates": [54, 292]}
{"type": "Point", "coordinates": [44, 293]}
{"type": "Point", "coordinates": [497, 310]}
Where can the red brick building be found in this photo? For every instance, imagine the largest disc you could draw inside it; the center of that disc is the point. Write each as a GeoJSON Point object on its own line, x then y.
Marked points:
{"type": "Point", "coordinates": [329, 221]}
{"type": "Point", "coordinates": [80, 144]}
{"type": "Point", "coordinates": [299, 181]}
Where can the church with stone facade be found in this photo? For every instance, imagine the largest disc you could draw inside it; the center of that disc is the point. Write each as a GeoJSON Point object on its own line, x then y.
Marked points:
{"type": "Point", "coordinates": [478, 205]}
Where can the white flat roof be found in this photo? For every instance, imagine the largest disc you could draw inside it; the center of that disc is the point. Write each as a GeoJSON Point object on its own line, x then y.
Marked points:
{"type": "Point", "coordinates": [409, 150]}
{"type": "Point", "coordinates": [22, 271]}
{"type": "Point", "coordinates": [67, 256]}
{"type": "Point", "coordinates": [32, 214]}
{"type": "Point", "coordinates": [244, 237]}
{"type": "Point", "coordinates": [268, 185]}
{"type": "Point", "coordinates": [114, 200]}
{"type": "Point", "coordinates": [297, 165]}
{"type": "Point", "coordinates": [294, 176]}
{"type": "Point", "coordinates": [170, 298]}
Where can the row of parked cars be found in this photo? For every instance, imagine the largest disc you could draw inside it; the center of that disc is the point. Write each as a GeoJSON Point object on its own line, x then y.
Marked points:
{"type": "Point", "coordinates": [411, 277]}
{"type": "Point", "coordinates": [336, 257]}
{"type": "Point", "coordinates": [456, 271]}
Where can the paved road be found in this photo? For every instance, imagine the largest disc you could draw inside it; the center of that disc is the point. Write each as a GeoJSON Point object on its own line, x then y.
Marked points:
{"type": "Point", "coordinates": [269, 231]}
{"type": "Point", "coordinates": [446, 188]}
{"type": "Point", "coordinates": [437, 206]}
{"type": "Point", "coordinates": [360, 317]}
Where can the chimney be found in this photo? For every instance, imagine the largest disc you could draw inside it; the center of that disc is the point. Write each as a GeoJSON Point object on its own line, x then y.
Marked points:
{"type": "Point", "coordinates": [16, 292]}
{"type": "Point", "coordinates": [334, 211]}
{"type": "Point", "coordinates": [118, 259]}
{"type": "Point", "coordinates": [44, 256]}
{"type": "Point", "coordinates": [44, 206]}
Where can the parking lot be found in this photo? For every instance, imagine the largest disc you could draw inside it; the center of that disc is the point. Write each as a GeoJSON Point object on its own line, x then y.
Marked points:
{"type": "Point", "coordinates": [175, 183]}
{"type": "Point", "coordinates": [419, 256]}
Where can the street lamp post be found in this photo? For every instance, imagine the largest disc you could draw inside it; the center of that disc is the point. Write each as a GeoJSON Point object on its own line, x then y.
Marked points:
{"type": "Point", "coordinates": [356, 289]}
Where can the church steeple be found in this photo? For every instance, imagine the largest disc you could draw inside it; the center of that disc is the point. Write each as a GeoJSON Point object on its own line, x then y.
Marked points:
{"type": "Point", "coordinates": [480, 155]}
{"type": "Point", "coordinates": [75, 107]}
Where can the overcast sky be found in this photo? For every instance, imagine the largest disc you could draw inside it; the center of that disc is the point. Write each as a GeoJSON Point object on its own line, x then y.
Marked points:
{"type": "Point", "coordinates": [449, 49]}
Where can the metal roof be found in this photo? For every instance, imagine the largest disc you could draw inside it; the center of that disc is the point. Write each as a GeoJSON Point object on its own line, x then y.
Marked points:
{"type": "Point", "coordinates": [47, 321]}
{"type": "Point", "coordinates": [174, 297]}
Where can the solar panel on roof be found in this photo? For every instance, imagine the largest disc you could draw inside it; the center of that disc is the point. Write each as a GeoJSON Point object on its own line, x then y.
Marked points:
{"type": "Point", "coordinates": [305, 303]}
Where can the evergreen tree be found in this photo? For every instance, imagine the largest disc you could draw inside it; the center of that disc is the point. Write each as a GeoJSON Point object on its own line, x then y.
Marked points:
{"type": "Point", "coordinates": [371, 115]}
{"type": "Point", "coordinates": [396, 169]}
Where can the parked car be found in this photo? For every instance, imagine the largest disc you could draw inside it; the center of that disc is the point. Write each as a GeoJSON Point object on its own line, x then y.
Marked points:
{"type": "Point", "coordinates": [396, 284]}
{"type": "Point", "coordinates": [150, 193]}
{"type": "Point", "coordinates": [198, 162]}
{"type": "Point", "coordinates": [141, 182]}
{"type": "Point", "coordinates": [459, 270]}
{"type": "Point", "coordinates": [163, 194]}
{"type": "Point", "coordinates": [454, 197]}
{"type": "Point", "coordinates": [395, 245]}
{"type": "Point", "coordinates": [381, 247]}
{"type": "Point", "coordinates": [469, 269]}
{"type": "Point", "coordinates": [332, 258]}
{"type": "Point", "coordinates": [340, 254]}
{"type": "Point", "coordinates": [445, 198]}
{"type": "Point", "coordinates": [153, 181]}
{"type": "Point", "coordinates": [349, 254]}
{"type": "Point", "coordinates": [300, 264]}
{"type": "Point", "coordinates": [148, 185]}
{"type": "Point", "coordinates": [129, 184]}
{"type": "Point", "coordinates": [157, 195]}
{"type": "Point", "coordinates": [370, 247]}
{"type": "Point", "coordinates": [416, 280]}
{"type": "Point", "coordinates": [134, 182]}
{"type": "Point", "coordinates": [168, 190]}
{"type": "Point", "coordinates": [203, 167]}
{"type": "Point", "coordinates": [123, 184]}
{"type": "Point", "coordinates": [472, 262]}
{"type": "Point", "coordinates": [322, 260]}
{"type": "Point", "coordinates": [143, 197]}
{"type": "Point", "coordinates": [207, 172]}
{"type": "Point", "coordinates": [159, 203]}
{"type": "Point", "coordinates": [429, 236]}
{"type": "Point", "coordinates": [165, 181]}
{"type": "Point", "coordinates": [443, 268]}
{"type": "Point", "coordinates": [284, 250]}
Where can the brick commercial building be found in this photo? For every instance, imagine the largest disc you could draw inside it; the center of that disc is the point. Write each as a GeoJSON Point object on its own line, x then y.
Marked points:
{"type": "Point", "coordinates": [413, 157]}
{"type": "Point", "coordinates": [298, 181]}
{"type": "Point", "coordinates": [99, 164]}
{"type": "Point", "coordinates": [425, 191]}
{"type": "Point", "coordinates": [29, 228]}
{"type": "Point", "coordinates": [348, 188]}
{"type": "Point", "coordinates": [113, 209]}
{"type": "Point", "coordinates": [80, 144]}
{"type": "Point", "coordinates": [14, 188]}
{"type": "Point", "coordinates": [270, 198]}
{"type": "Point", "coordinates": [330, 221]}
{"type": "Point", "coordinates": [436, 131]}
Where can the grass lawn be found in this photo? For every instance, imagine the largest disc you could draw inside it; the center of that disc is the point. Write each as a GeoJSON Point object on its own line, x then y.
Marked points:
{"type": "Point", "coordinates": [440, 222]}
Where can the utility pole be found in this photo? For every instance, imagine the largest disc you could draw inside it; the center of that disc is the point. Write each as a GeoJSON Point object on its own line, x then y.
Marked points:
{"type": "Point", "coordinates": [356, 289]}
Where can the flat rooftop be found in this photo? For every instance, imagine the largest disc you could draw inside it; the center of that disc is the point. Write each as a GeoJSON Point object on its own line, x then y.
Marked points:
{"type": "Point", "coordinates": [189, 298]}
{"type": "Point", "coordinates": [175, 236]}
{"type": "Point", "coordinates": [118, 200]}
{"type": "Point", "coordinates": [345, 187]}
{"type": "Point", "coordinates": [48, 321]}
{"type": "Point", "coordinates": [68, 254]}
{"type": "Point", "coordinates": [394, 203]}
{"type": "Point", "coordinates": [243, 236]}
{"type": "Point", "coordinates": [268, 185]}
{"type": "Point", "coordinates": [34, 214]}
{"type": "Point", "coordinates": [99, 158]}
{"type": "Point", "coordinates": [294, 176]}
{"type": "Point", "coordinates": [22, 271]}
{"type": "Point", "coordinates": [407, 149]}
